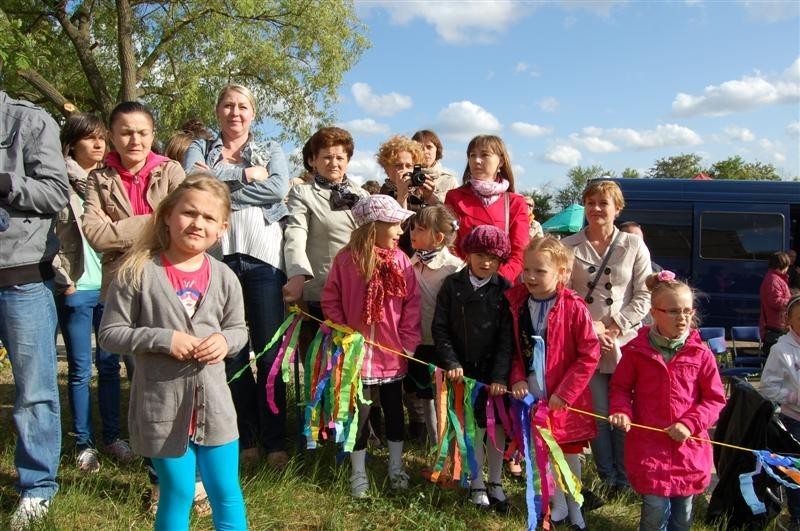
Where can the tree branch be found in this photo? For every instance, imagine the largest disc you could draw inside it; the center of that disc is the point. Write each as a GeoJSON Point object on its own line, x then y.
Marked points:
{"type": "Point", "coordinates": [47, 90]}
{"type": "Point", "coordinates": [127, 59]}
{"type": "Point", "coordinates": [154, 54]}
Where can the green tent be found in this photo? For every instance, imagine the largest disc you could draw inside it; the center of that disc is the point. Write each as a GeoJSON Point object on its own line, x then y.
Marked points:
{"type": "Point", "coordinates": [568, 220]}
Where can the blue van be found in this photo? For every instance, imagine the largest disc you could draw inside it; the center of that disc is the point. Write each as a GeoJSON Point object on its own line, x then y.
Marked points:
{"type": "Point", "coordinates": [716, 234]}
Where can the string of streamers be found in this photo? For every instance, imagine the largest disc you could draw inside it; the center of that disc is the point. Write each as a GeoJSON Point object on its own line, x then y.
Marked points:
{"type": "Point", "coordinates": [332, 387]}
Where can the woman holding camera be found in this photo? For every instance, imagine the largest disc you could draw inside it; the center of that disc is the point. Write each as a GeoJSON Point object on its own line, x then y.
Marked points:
{"type": "Point", "coordinates": [440, 180]}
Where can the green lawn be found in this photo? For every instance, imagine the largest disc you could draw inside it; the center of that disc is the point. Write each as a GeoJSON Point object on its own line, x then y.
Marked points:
{"type": "Point", "coordinates": [313, 493]}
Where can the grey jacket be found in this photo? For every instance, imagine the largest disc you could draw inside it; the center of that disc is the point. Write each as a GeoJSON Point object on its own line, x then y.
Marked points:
{"type": "Point", "coordinates": [268, 194]}
{"type": "Point", "coordinates": [165, 391]}
{"type": "Point", "coordinates": [33, 189]}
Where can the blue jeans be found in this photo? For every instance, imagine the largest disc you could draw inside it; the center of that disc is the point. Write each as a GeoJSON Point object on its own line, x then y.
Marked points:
{"type": "Point", "coordinates": [793, 495]}
{"type": "Point", "coordinates": [262, 286]}
{"type": "Point", "coordinates": [219, 467]}
{"type": "Point", "coordinates": [660, 513]}
{"type": "Point", "coordinates": [608, 448]}
{"type": "Point", "coordinates": [79, 314]}
{"type": "Point", "coordinates": [28, 328]}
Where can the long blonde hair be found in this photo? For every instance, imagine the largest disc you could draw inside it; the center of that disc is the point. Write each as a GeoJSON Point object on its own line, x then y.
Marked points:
{"type": "Point", "coordinates": [362, 248]}
{"type": "Point", "coordinates": [155, 238]}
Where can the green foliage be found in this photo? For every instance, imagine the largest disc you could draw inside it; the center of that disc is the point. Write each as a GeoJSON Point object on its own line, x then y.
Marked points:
{"type": "Point", "coordinates": [630, 173]}
{"type": "Point", "coordinates": [543, 202]}
{"type": "Point", "coordinates": [578, 177]}
{"type": "Point", "coordinates": [291, 53]}
{"type": "Point", "coordinates": [736, 168]}
{"type": "Point", "coordinates": [683, 166]}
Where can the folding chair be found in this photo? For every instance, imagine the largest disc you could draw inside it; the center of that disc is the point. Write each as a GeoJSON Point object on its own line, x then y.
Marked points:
{"type": "Point", "coordinates": [746, 356]}
{"type": "Point", "coordinates": [719, 347]}
{"type": "Point", "coordinates": [707, 332]}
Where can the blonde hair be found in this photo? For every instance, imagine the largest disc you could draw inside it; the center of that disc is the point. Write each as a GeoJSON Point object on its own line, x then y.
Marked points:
{"type": "Point", "coordinates": [362, 248]}
{"type": "Point", "coordinates": [560, 254]}
{"type": "Point", "coordinates": [607, 188]}
{"type": "Point", "coordinates": [495, 145]}
{"type": "Point", "coordinates": [241, 89]}
{"type": "Point", "coordinates": [438, 218]}
{"type": "Point", "coordinates": [657, 286]}
{"type": "Point", "coordinates": [391, 149]}
{"type": "Point", "coordinates": [155, 238]}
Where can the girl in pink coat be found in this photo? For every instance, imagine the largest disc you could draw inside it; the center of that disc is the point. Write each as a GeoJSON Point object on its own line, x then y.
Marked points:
{"type": "Point", "coordinates": [557, 353]}
{"type": "Point", "coordinates": [667, 378]}
{"type": "Point", "coordinates": [372, 289]}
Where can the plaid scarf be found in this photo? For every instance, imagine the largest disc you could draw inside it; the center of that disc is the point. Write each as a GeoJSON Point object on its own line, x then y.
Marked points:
{"type": "Point", "coordinates": [387, 279]}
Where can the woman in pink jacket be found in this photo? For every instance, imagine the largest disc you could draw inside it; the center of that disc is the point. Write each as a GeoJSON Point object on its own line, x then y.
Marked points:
{"type": "Point", "coordinates": [668, 379]}
{"type": "Point", "coordinates": [372, 289]}
{"type": "Point", "coordinates": [487, 198]}
{"type": "Point", "coordinates": [774, 294]}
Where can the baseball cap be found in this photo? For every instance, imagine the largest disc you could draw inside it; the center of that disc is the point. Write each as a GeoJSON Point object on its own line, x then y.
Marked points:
{"type": "Point", "coordinates": [379, 207]}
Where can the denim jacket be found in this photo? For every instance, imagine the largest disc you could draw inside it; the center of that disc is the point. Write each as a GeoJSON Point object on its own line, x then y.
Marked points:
{"type": "Point", "coordinates": [268, 194]}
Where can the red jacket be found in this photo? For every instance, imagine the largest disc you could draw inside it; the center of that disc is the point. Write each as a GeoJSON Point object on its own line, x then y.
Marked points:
{"type": "Point", "coordinates": [471, 212]}
{"type": "Point", "coordinates": [573, 351]}
{"type": "Point", "coordinates": [774, 294]}
{"type": "Point", "coordinates": [686, 390]}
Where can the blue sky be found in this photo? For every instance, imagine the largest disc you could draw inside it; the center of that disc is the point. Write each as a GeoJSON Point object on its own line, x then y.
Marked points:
{"type": "Point", "coordinates": [620, 84]}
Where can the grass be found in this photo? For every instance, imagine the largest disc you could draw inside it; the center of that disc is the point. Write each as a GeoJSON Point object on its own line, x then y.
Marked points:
{"type": "Point", "coordinates": [312, 493]}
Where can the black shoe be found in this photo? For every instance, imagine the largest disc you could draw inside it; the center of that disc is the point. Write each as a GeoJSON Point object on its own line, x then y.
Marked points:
{"type": "Point", "coordinates": [591, 501]}
{"type": "Point", "coordinates": [498, 505]}
{"type": "Point", "coordinates": [566, 524]}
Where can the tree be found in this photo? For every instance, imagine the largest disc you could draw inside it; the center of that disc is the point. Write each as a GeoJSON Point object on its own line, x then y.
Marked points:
{"type": "Point", "coordinates": [578, 177]}
{"type": "Point", "coordinates": [175, 56]}
{"type": "Point", "coordinates": [683, 166]}
{"type": "Point", "coordinates": [736, 168]}
{"type": "Point", "coordinates": [630, 173]}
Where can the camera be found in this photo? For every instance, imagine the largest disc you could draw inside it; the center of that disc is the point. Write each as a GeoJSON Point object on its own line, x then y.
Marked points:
{"type": "Point", "coordinates": [417, 176]}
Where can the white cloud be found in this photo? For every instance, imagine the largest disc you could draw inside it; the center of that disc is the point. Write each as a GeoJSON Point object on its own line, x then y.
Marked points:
{"type": "Point", "coordinates": [461, 22]}
{"type": "Point", "coordinates": [772, 151]}
{"type": "Point", "coordinates": [461, 120]}
{"type": "Point", "coordinates": [667, 135]}
{"type": "Point", "coordinates": [549, 104]}
{"type": "Point", "coordinates": [364, 167]}
{"type": "Point", "coordinates": [379, 104]}
{"type": "Point", "coordinates": [521, 67]}
{"type": "Point", "coordinates": [366, 126]}
{"type": "Point", "coordinates": [489, 75]}
{"type": "Point", "coordinates": [518, 169]}
{"type": "Point", "coordinates": [563, 155]}
{"type": "Point", "coordinates": [772, 10]}
{"type": "Point", "coordinates": [741, 134]}
{"type": "Point", "coordinates": [742, 94]}
{"type": "Point", "coordinates": [793, 129]}
{"type": "Point", "coordinates": [591, 140]}
{"type": "Point", "coordinates": [530, 130]}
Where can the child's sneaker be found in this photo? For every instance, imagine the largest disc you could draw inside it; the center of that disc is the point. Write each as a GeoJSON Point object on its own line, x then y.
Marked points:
{"type": "Point", "coordinates": [479, 498]}
{"type": "Point", "coordinates": [359, 485]}
{"type": "Point", "coordinates": [29, 511]}
{"type": "Point", "coordinates": [399, 479]}
{"type": "Point", "coordinates": [121, 451]}
{"type": "Point", "coordinates": [88, 460]}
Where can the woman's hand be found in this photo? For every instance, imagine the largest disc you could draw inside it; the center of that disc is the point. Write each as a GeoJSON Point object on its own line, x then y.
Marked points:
{"type": "Point", "coordinates": [497, 389]}
{"type": "Point", "coordinates": [182, 345]}
{"type": "Point", "coordinates": [679, 432]}
{"type": "Point", "coordinates": [200, 165]}
{"type": "Point", "coordinates": [212, 349]}
{"type": "Point", "coordinates": [403, 184]}
{"type": "Point", "coordinates": [293, 289]}
{"type": "Point", "coordinates": [70, 290]}
{"type": "Point", "coordinates": [455, 375]}
{"type": "Point", "coordinates": [621, 421]}
{"type": "Point", "coordinates": [426, 190]}
{"type": "Point", "coordinates": [556, 403]}
{"type": "Point", "coordinates": [256, 173]}
{"type": "Point", "coordinates": [599, 327]}
{"type": "Point", "coordinates": [519, 390]}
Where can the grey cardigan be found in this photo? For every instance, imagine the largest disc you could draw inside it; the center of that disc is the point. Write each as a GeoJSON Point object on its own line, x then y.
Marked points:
{"type": "Point", "coordinates": [165, 391]}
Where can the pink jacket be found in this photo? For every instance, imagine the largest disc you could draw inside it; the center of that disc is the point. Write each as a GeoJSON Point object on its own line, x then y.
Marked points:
{"type": "Point", "coordinates": [343, 302]}
{"type": "Point", "coordinates": [774, 294]}
{"type": "Point", "coordinates": [471, 212]}
{"type": "Point", "coordinates": [573, 351]}
{"type": "Point", "coordinates": [686, 390]}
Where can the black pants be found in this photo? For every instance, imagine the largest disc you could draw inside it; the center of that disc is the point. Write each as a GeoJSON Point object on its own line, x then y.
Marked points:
{"type": "Point", "coordinates": [391, 397]}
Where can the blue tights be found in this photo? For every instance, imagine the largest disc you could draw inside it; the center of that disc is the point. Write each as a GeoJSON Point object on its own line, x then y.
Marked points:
{"type": "Point", "coordinates": [219, 468]}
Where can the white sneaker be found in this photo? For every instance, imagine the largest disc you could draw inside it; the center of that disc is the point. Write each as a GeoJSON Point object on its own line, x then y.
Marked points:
{"type": "Point", "coordinates": [398, 480]}
{"type": "Point", "coordinates": [359, 485]}
{"type": "Point", "coordinates": [29, 511]}
{"type": "Point", "coordinates": [88, 460]}
{"type": "Point", "coordinates": [121, 451]}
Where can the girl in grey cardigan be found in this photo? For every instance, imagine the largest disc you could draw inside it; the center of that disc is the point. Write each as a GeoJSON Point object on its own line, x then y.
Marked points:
{"type": "Point", "coordinates": [180, 312]}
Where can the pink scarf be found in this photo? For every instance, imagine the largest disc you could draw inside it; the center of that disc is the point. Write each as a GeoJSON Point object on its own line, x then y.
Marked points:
{"type": "Point", "coordinates": [489, 191]}
{"type": "Point", "coordinates": [387, 279]}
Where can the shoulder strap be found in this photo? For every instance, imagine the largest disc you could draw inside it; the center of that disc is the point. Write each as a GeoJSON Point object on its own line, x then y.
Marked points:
{"type": "Point", "coordinates": [507, 200]}
{"type": "Point", "coordinates": [610, 249]}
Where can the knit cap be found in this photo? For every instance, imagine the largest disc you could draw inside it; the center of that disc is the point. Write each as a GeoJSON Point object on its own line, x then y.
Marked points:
{"type": "Point", "coordinates": [487, 239]}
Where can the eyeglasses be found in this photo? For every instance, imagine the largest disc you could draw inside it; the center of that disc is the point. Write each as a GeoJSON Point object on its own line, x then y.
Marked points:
{"type": "Point", "coordinates": [675, 313]}
{"type": "Point", "coordinates": [531, 207]}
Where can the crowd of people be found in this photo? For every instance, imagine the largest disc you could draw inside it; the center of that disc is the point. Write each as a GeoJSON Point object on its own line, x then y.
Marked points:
{"type": "Point", "coordinates": [182, 264]}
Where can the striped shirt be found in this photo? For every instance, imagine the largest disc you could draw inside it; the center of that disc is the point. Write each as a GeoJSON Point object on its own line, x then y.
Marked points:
{"type": "Point", "coordinates": [250, 234]}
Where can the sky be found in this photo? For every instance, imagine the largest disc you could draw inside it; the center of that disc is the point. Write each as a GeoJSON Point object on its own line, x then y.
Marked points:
{"type": "Point", "coordinates": [566, 83]}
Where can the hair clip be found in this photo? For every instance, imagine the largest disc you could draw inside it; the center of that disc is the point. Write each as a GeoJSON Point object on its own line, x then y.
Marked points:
{"type": "Point", "coordinates": [666, 276]}
{"type": "Point", "coordinates": [455, 225]}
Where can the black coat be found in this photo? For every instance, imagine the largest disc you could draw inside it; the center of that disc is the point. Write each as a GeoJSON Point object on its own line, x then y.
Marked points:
{"type": "Point", "coordinates": [473, 329]}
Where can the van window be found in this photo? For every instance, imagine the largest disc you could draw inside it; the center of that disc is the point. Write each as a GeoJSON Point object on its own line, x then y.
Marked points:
{"type": "Point", "coordinates": [668, 233]}
{"type": "Point", "coordinates": [740, 235]}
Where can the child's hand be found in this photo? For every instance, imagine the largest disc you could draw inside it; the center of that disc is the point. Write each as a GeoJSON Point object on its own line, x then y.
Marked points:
{"type": "Point", "coordinates": [182, 345]}
{"type": "Point", "coordinates": [556, 403]}
{"type": "Point", "coordinates": [519, 390]}
{"type": "Point", "coordinates": [679, 432]}
{"type": "Point", "coordinates": [621, 421]}
{"type": "Point", "coordinates": [497, 389]}
{"type": "Point", "coordinates": [455, 375]}
{"type": "Point", "coordinates": [212, 349]}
